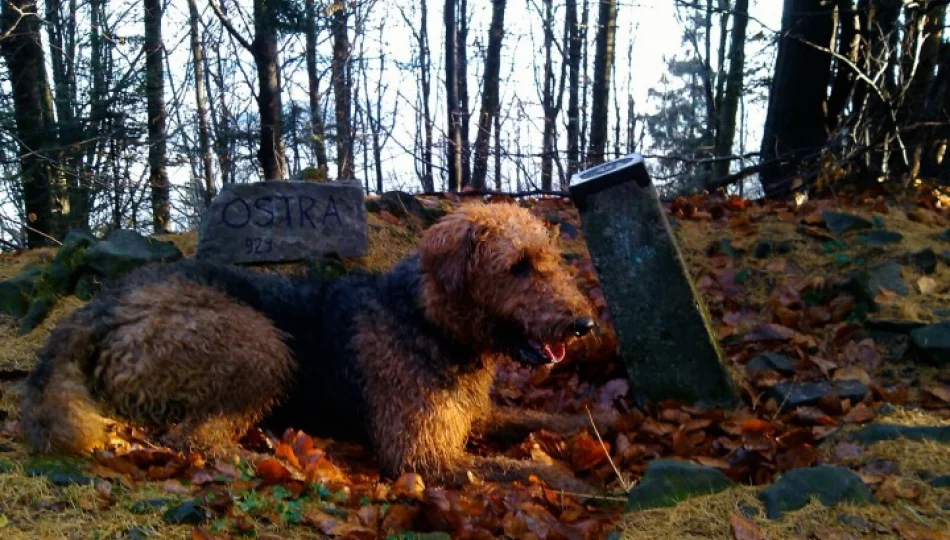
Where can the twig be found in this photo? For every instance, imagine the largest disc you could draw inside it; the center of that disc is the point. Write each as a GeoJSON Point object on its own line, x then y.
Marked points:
{"type": "Point", "coordinates": [623, 481]}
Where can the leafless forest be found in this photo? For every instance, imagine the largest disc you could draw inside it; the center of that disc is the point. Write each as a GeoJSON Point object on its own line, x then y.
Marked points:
{"type": "Point", "coordinates": [94, 115]}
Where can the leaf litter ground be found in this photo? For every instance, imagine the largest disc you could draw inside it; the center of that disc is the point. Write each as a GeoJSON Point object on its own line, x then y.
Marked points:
{"type": "Point", "coordinates": [773, 277]}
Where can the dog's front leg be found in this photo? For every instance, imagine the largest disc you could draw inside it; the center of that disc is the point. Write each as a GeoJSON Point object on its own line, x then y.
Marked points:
{"type": "Point", "coordinates": [516, 423]}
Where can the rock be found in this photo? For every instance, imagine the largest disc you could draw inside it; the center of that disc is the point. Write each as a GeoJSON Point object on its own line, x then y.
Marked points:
{"type": "Point", "coordinates": [886, 432]}
{"type": "Point", "coordinates": [767, 248]}
{"type": "Point", "coordinates": [136, 533]}
{"type": "Point", "coordinates": [855, 522]}
{"type": "Point", "coordinates": [895, 326]}
{"type": "Point", "coordinates": [944, 236]}
{"type": "Point", "coordinates": [796, 394]}
{"type": "Point", "coordinates": [36, 314]}
{"type": "Point", "coordinates": [931, 343]}
{"type": "Point", "coordinates": [839, 223]}
{"type": "Point", "coordinates": [186, 513]}
{"type": "Point", "coordinates": [942, 481]}
{"type": "Point", "coordinates": [66, 266]}
{"type": "Point", "coordinates": [58, 471]}
{"type": "Point", "coordinates": [669, 481]}
{"type": "Point", "coordinates": [830, 485]}
{"type": "Point", "coordinates": [568, 231]}
{"type": "Point", "coordinates": [925, 260]}
{"type": "Point", "coordinates": [280, 221]}
{"type": "Point", "coordinates": [399, 204]}
{"type": "Point", "coordinates": [653, 302]}
{"type": "Point", "coordinates": [86, 287]}
{"type": "Point", "coordinates": [881, 237]}
{"type": "Point", "coordinates": [16, 293]}
{"type": "Point", "coordinates": [868, 284]}
{"type": "Point", "coordinates": [124, 250]}
{"type": "Point", "coordinates": [80, 237]}
{"type": "Point", "coordinates": [945, 257]}
{"type": "Point", "coordinates": [773, 361]}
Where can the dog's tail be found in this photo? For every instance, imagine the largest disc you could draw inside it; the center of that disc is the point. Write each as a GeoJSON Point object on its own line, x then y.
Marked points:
{"type": "Point", "coordinates": [58, 413]}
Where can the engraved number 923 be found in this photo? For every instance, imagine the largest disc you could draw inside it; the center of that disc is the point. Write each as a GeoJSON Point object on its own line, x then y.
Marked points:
{"type": "Point", "coordinates": [257, 245]}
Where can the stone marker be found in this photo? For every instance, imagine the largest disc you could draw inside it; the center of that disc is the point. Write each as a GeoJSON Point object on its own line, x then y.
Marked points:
{"type": "Point", "coordinates": [278, 221]}
{"type": "Point", "coordinates": [662, 325]}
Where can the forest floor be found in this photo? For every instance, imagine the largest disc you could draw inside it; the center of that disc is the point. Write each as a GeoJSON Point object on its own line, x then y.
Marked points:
{"type": "Point", "coordinates": [789, 304]}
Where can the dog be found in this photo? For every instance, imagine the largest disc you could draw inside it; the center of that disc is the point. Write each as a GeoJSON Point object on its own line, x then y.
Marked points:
{"type": "Point", "coordinates": [402, 360]}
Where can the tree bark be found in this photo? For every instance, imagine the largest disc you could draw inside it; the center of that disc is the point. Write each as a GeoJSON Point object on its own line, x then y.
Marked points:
{"type": "Point", "coordinates": [490, 92]}
{"type": "Point", "coordinates": [61, 31]}
{"type": "Point", "coordinates": [264, 49]}
{"type": "Point", "coordinates": [204, 132]}
{"type": "Point", "coordinates": [603, 62]}
{"type": "Point", "coordinates": [35, 125]}
{"type": "Point", "coordinates": [453, 116]}
{"type": "Point", "coordinates": [155, 96]}
{"type": "Point", "coordinates": [848, 40]}
{"type": "Point", "coordinates": [795, 122]}
{"type": "Point", "coordinates": [317, 132]}
{"type": "Point", "coordinates": [342, 92]}
{"type": "Point", "coordinates": [547, 99]}
{"type": "Point", "coordinates": [726, 131]}
{"type": "Point", "coordinates": [461, 48]}
{"type": "Point", "coordinates": [573, 48]}
{"type": "Point", "coordinates": [425, 80]}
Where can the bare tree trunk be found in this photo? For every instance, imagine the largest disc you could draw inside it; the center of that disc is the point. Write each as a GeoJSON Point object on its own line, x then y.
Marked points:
{"type": "Point", "coordinates": [425, 78]}
{"type": "Point", "coordinates": [547, 99]}
{"type": "Point", "coordinates": [573, 48]}
{"type": "Point", "coordinates": [930, 23]}
{"type": "Point", "coordinates": [317, 132]}
{"type": "Point", "coordinates": [264, 50]}
{"type": "Point", "coordinates": [461, 48]}
{"type": "Point", "coordinates": [155, 95]}
{"type": "Point", "coordinates": [342, 93]}
{"type": "Point", "coordinates": [603, 62]}
{"type": "Point", "coordinates": [582, 143]}
{"type": "Point", "coordinates": [726, 132]}
{"type": "Point", "coordinates": [454, 143]}
{"type": "Point", "coordinates": [490, 92]}
{"type": "Point", "coordinates": [848, 41]}
{"type": "Point", "coordinates": [498, 150]}
{"type": "Point", "coordinates": [204, 133]}
{"type": "Point", "coordinates": [35, 126]}
{"type": "Point", "coordinates": [795, 124]}
{"type": "Point", "coordinates": [62, 38]}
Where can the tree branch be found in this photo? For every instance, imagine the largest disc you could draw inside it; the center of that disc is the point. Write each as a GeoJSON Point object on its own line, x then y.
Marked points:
{"type": "Point", "coordinates": [230, 27]}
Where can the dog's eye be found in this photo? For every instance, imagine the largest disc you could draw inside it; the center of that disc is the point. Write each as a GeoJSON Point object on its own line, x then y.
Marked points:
{"type": "Point", "coordinates": [522, 267]}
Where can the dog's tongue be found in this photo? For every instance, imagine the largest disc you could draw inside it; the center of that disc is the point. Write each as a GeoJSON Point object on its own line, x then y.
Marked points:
{"type": "Point", "coordinates": [556, 352]}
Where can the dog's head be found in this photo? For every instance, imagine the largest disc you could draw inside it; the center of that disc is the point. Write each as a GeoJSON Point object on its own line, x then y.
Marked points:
{"type": "Point", "coordinates": [495, 277]}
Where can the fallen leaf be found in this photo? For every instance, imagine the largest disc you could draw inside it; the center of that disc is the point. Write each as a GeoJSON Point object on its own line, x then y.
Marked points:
{"type": "Point", "coordinates": [940, 392]}
{"type": "Point", "coordinates": [894, 487]}
{"type": "Point", "coordinates": [912, 531]}
{"type": "Point", "coordinates": [272, 471]}
{"type": "Point", "coordinates": [927, 285]}
{"type": "Point", "coordinates": [770, 332]}
{"type": "Point", "coordinates": [744, 529]}
{"type": "Point", "coordinates": [852, 372]}
{"type": "Point", "coordinates": [409, 485]}
{"type": "Point", "coordinates": [587, 453]}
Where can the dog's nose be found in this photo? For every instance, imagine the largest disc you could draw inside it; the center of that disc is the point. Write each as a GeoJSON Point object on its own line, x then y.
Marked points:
{"type": "Point", "coordinates": [584, 326]}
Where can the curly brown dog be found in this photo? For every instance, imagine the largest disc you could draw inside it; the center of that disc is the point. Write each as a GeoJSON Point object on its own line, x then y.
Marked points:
{"type": "Point", "coordinates": [402, 360]}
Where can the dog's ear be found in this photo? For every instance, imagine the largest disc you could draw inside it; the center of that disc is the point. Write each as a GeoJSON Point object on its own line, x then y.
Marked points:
{"type": "Point", "coordinates": [445, 251]}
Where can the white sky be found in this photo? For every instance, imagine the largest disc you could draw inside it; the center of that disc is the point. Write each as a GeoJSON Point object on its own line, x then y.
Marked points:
{"type": "Point", "coordinates": [651, 25]}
